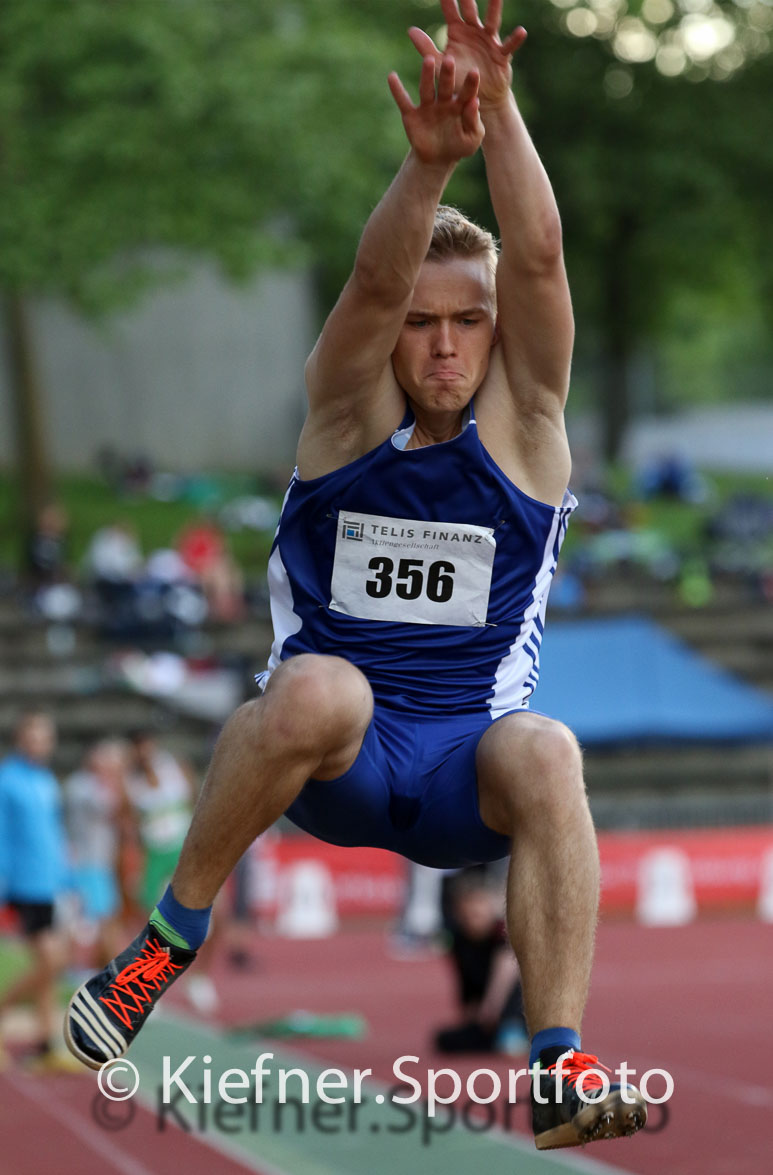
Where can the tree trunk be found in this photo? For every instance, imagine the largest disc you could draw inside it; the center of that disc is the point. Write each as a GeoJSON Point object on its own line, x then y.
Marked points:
{"type": "Point", "coordinates": [618, 339]}
{"type": "Point", "coordinates": [616, 395]}
{"type": "Point", "coordinates": [31, 457]}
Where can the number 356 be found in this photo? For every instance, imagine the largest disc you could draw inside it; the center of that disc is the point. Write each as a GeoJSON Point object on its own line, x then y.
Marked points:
{"type": "Point", "coordinates": [410, 581]}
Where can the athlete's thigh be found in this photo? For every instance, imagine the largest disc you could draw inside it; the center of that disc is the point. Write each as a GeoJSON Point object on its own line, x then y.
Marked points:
{"type": "Point", "coordinates": [519, 760]}
{"type": "Point", "coordinates": [353, 808]}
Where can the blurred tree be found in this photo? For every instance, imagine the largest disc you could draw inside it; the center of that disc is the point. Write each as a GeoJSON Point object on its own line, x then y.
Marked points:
{"type": "Point", "coordinates": [651, 170]}
{"type": "Point", "coordinates": [134, 132]}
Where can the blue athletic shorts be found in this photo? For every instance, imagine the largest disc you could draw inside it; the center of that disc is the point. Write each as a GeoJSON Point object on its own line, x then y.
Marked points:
{"type": "Point", "coordinates": [413, 789]}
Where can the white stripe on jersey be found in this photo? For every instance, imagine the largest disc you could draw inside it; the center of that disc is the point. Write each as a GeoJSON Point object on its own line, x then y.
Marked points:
{"type": "Point", "coordinates": [518, 671]}
{"type": "Point", "coordinates": [285, 621]}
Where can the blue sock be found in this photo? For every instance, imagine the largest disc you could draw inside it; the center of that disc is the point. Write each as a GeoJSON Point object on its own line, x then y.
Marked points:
{"type": "Point", "coordinates": [189, 927]}
{"type": "Point", "coordinates": [553, 1038]}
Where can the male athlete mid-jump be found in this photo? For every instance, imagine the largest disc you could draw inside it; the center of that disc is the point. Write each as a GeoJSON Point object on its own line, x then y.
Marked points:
{"type": "Point", "coordinates": [409, 579]}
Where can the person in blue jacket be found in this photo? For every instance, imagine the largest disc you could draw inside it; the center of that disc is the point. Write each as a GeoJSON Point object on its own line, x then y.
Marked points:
{"type": "Point", "coordinates": [33, 866]}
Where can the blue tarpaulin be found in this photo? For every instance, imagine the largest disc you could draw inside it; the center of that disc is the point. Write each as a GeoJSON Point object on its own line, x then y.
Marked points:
{"type": "Point", "coordinates": [620, 679]}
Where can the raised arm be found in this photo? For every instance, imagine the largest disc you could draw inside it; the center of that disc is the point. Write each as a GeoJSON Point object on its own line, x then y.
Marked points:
{"type": "Point", "coordinates": [534, 305]}
{"type": "Point", "coordinates": [352, 392]}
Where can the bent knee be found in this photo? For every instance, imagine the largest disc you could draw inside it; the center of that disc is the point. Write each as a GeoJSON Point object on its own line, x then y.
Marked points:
{"type": "Point", "coordinates": [553, 748]}
{"type": "Point", "coordinates": [545, 742]}
{"type": "Point", "coordinates": [326, 697]}
{"type": "Point", "coordinates": [527, 762]}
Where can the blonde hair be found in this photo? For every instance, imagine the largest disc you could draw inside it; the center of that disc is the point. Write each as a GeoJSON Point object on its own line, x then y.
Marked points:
{"type": "Point", "coordinates": [454, 235]}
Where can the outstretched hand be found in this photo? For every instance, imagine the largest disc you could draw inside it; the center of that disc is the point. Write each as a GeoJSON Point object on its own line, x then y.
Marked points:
{"type": "Point", "coordinates": [445, 126]}
{"type": "Point", "coordinates": [475, 45]}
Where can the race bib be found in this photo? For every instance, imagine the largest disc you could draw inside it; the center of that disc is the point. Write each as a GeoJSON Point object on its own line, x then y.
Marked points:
{"type": "Point", "coordinates": [414, 572]}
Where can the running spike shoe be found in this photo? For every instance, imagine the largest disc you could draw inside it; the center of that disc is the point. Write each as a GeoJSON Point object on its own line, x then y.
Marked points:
{"type": "Point", "coordinates": [108, 1010]}
{"type": "Point", "coordinates": [573, 1102]}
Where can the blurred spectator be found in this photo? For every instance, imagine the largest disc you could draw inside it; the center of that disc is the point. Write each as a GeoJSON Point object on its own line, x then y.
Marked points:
{"type": "Point", "coordinates": [95, 813]}
{"type": "Point", "coordinates": [672, 476]}
{"type": "Point", "coordinates": [113, 563]}
{"type": "Point", "coordinates": [46, 571]}
{"type": "Point", "coordinates": [600, 512]}
{"type": "Point", "coordinates": [161, 792]}
{"type": "Point", "coordinates": [45, 560]}
{"type": "Point", "coordinates": [125, 475]}
{"type": "Point", "coordinates": [171, 586]}
{"type": "Point", "coordinates": [241, 920]}
{"type": "Point", "coordinates": [202, 547]}
{"type": "Point", "coordinates": [33, 872]}
{"type": "Point", "coordinates": [745, 522]}
{"type": "Point", "coordinates": [486, 972]}
{"type": "Point", "coordinates": [739, 538]}
{"type": "Point", "coordinates": [695, 587]}
{"type": "Point", "coordinates": [155, 600]}
{"type": "Point", "coordinates": [110, 466]}
{"type": "Point", "coordinates": [137, 475]}
{"type": "Point", "coordinates": [421, 916]}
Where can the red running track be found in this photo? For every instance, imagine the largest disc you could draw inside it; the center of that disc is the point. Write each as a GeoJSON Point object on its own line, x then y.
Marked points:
{"type": "Point", "coordinates": [47, 1123]}
{"type": "Point", "coordinates": [697, 1001]}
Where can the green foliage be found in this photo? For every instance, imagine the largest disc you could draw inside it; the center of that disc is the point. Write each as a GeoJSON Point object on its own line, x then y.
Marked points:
{"type": "Point", "coordinates": [89, 504]}
{"type": "Point", "coordinates": [204, 125]}
{"type": "Point", "coordinates": [636, 160]}
{"type": "Point", "coordinates": [133, 132]}
{"type": "Point", "coordinates": [665, 197]}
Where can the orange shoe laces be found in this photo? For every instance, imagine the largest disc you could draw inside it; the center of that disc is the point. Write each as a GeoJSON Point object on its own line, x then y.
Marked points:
{"type": "Point", "coordinates": [149, 972]}
{"type": "Point", "coordinates": [578, 1063]}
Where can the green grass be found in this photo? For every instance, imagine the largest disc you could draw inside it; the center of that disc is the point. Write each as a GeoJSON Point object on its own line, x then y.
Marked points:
{"type": "Point", "coordinates": [681, 524]}
{"type": "Point", "coordinates": [15, 958]}
{"type": "Point", "coordinates": [13, 961]}
{"type": "Point", "coordinates": [90, 504]}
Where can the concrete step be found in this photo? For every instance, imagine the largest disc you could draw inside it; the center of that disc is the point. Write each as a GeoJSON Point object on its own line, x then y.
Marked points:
{"type": "Point", "coordinates": [687, 809]}
{"type": "Point", "coordinates": [109, 710]}
{"type": "Point", "coordinates": [664, 771]}
{"type": "Point", "coordinates": [28, 642]}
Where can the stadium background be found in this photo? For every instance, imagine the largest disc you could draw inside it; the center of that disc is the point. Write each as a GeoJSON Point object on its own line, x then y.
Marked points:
{"type": "Point", "coordinates": [182, 186]}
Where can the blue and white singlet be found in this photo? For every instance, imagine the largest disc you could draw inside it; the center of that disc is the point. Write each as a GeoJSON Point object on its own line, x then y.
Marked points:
{"type": "Point", "coordinates": [426, 568]}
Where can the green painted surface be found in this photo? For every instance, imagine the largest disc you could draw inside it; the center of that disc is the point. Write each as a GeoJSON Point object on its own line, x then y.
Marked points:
{"type": "Point", "coordinates": [317, 1138]}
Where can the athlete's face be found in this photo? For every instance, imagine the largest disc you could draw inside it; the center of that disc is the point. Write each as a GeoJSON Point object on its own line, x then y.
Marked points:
{"type": "Point", "coordinates": [442, 354]}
